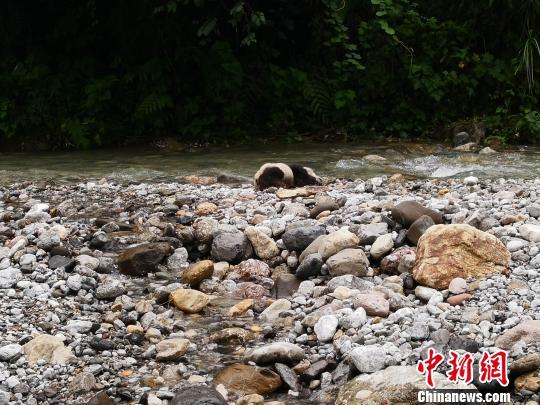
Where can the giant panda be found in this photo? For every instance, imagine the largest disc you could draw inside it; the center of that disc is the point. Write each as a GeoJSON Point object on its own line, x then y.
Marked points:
{"type": "Point", "coordinates": [286, 176]}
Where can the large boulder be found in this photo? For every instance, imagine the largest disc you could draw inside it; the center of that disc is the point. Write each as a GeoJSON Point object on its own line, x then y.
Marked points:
{"type": "Point", "coordinates": [143, 259]}
{"type": "Point", "coordinates": [393, 385]}
{"type": "Point", "coordinates": [244, 380]}
{"type": "Point", "coordinates": [407, 212]}
{"type": "Point", "coordinates": [458, 250]}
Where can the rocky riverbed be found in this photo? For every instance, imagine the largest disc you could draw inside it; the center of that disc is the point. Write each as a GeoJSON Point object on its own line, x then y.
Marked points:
{"type": "Point", "coordinates": [217, 294]}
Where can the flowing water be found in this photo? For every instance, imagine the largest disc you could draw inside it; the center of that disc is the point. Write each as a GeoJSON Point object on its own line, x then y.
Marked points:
{"type": "Point", "coordinates": [336, 160]}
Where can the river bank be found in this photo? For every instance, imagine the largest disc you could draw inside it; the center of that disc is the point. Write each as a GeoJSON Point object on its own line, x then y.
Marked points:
{"type": "Point", "coordinates": [339, 160]}
{"type": "Point", "coordinates": [165, 292]}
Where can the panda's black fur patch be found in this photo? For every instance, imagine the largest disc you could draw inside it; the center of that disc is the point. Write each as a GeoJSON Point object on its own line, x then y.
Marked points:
{"type": "Point", "coordinates": [270, 177]}
{"type": "Point", "coordinates": [302, 177]}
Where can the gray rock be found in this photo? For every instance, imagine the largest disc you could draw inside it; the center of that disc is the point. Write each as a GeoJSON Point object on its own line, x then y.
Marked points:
{"type": "Point", "coordinates": [74, 282]}
{"type": "Point", "coordinates": [530, 232]}
{"type": "Point", "coordinates": [9, 277]}
{"type": "Point", "coordinates": [232, 247]}
{"type": "Point", "coordinates": [381, 246]}
{"type": "Point", "coordinates": [282, 352]}
{"type": "Point", "coordinates": [367, 234]}
{"type": "Point", "coordinates": [297, 238]}
{"type": "Point", "coordinates": [534, 210]}
{"type": "Point", "coordinates": [198, 395]}
{"type": "Point", "coordinates": [393, 385]}
{"type": "Point", "coordinates": [350, 281]}
{"type": "Point", "coordinates": [110, 288]}
{"type": "Point", "coordinates": [296, 209]}
{"type": "Point", "coordinates": [10, 352]}
{"type": "Point", "coordinates": [419, 331]}
{"type": "Point", "coordinates": [424, 293]}
{"type": "Point", "coordinates": [368, 359]}
{"type": "Point", "coordinates": [288, 376]}
{"type": "Point", "coordinates": [326, 327]}
{"type": "Point", "coordinates": [58, 261]}
{"type": "Point", "coordinates": [272, 312]}
{"type": "Point", "coordinates": [78, 326]}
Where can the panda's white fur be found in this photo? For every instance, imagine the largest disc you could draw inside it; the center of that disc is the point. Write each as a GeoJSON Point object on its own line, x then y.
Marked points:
{"type": "Point", "coordinates": [288, 177]}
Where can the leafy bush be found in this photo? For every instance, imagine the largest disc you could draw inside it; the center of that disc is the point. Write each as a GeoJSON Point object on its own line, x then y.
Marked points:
{"type": "Point", "coordinates": [83, 74]}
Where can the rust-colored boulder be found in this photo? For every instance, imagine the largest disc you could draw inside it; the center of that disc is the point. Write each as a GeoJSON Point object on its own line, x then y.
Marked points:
{"type": "Point", "coordinates": [458, 250]}
{"type": "Point", "coordinates": [244, 380]}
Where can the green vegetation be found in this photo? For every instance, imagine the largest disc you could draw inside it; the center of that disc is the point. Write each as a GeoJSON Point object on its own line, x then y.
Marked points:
{"type": "Point", "coordinates": [88, 73]}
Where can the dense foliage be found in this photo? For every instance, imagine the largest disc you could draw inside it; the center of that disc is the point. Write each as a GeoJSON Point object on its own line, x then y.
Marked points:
{"type": "Point", "coordinates": [80, 74]}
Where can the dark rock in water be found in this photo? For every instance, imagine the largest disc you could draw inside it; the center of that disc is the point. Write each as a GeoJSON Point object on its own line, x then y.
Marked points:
{"type": "Point", "coordinates": [285, 285]}
{"type": "Point", "coordinates": [461, 138]}
{"type": "Point", "coordinates": [101, 398]}
{"type": "Point", "coordinates": [143, 259]}
{"type": "Point", "coordinates": [232, 247]}
{"type": "Point", "coordinates": [418, 228]}
{"type": "Point", "coordinates": [198, 395]}
{"type": "Point", "coordinates": [58, 261]}
{"type": "Point", "coordinates": [310, 266]}
{"type": "Point", "coordinates": [407, 212]}
{"type": "Point", "coordinates": [288, 376]}
{"type": "Point", "coordinates": [298, 237]}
